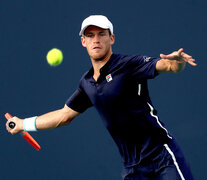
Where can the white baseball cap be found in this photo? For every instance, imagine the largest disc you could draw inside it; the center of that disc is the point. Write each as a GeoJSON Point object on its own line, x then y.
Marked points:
{"type": "Point", "coordinates": [96, 20]}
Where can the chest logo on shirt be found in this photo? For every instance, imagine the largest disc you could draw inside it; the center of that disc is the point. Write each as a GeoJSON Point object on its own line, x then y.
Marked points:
{"type": "Point", "coordinates": [147, 59]}
{"type": "Point", "coordinates": [109, 78]}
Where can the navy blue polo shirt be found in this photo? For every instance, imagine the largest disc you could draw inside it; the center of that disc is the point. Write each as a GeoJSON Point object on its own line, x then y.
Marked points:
{"type": "Point", "coordinates": [121, 97]}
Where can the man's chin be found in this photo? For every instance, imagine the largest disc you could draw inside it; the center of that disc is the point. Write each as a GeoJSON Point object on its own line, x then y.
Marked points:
{"type": "Point", "coordinates": [101, 56]}
{"type": "Point", "coordinates": [98, 57]}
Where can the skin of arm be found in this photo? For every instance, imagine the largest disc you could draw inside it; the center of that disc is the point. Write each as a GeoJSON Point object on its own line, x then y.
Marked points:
{"type": "Point", "coordinates": [46, 121]}
{"type": "Point", "coordinates": [174, 62]}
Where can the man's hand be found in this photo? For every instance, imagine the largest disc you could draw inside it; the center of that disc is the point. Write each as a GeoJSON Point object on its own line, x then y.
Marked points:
{"type": "Point", "coordinates": [18, 125]}
{"type": "Point", "coordinates": [174, 62]}
{"type": "Point", "coordinates": [180, 57]}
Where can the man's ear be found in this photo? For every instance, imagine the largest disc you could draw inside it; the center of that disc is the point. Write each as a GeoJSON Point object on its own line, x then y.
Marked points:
{"type": "Point", "coordinates": [83, 41]}
{"type": "Point", "coordinates": [112, 37]}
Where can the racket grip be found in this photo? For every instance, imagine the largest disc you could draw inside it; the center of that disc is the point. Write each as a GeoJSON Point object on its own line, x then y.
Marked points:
{"type": "Point", "coordinates": [12, 125]}
{"type": "Point", "coordinates": [8, 116]}
{"type": "Point", "coordinates": [24, 134]}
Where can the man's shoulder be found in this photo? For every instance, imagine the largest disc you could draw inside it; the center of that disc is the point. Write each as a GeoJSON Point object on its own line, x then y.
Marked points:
{"type": "Point", "coordinates": [87, 75]}
{"type": "Point", "coordinates": [127, 57]}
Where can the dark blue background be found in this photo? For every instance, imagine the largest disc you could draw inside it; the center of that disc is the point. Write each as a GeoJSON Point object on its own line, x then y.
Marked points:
{"type": "Point", "coordinates": [29, 86]}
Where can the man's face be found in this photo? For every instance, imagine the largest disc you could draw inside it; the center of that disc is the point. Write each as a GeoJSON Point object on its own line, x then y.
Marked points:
{"type": "Point", "coordinates": [98, 42]}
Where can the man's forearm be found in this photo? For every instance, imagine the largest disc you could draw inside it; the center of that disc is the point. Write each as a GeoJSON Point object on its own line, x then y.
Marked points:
{"type": "Point", "coordinates": [49, 120]}
{"type": "Point", "coordinates": [55, 119]}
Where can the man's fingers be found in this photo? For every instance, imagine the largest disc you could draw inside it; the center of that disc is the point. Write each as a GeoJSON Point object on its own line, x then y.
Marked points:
{"type": "Point", "coordinates": [176, 55]}
{"type": "Point", "coordinates": [169, 56]}
{"type": "Point", "coordinates": [10, 130]}
{"type": "Point", "coordinates": [7, 127]}
{"type": "Point", "coordinates": [188, 59]}
{"type": "Point", "coordinates": [180, 51]}
{"type": "Point", "coordinates": [192, 62]}
{"type": "Point", "coordinates": [186, 55]}
{"type": "Point", "coordinates": [179, 56]}
{"type": "Point", "coordinates": [162, 56]}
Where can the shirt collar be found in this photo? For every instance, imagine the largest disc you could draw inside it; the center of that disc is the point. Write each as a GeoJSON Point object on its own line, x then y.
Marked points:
{"type": "Point", "coordinates": [104, 69]}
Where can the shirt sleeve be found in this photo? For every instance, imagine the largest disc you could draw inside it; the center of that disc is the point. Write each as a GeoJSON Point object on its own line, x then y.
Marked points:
{"type": "Point", "coordinates": [79, 101]}
{"type": "Point", "coordinates": [143, 67]}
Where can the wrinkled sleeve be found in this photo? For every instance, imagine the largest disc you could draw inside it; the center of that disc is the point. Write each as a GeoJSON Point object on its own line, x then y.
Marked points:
{"type": "Point", "coordinates": [79, 101]}
{"type": "Point", "coordinates": [143, 67]}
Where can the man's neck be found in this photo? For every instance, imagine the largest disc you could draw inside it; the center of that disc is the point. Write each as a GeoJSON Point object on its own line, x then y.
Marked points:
{"type": "Point", "coordinates": [98, 64]}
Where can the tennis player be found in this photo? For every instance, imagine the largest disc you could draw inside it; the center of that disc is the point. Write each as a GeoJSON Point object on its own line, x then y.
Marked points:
{"type": "Point", "coordinates": [116, 86]}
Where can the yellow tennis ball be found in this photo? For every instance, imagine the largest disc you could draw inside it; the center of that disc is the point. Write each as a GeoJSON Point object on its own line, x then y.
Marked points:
{"type": "Point", "coordinates": [54, 57]}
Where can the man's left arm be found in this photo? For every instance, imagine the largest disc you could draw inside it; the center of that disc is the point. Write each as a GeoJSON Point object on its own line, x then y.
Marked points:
{"type": "Point", "coordinates": [174, 62]}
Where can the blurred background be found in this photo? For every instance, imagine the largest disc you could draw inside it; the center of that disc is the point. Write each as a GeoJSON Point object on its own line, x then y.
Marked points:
{"type": "Point", "coordinates": [29, 86]}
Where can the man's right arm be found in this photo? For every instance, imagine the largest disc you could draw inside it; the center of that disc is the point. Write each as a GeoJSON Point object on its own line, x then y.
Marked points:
{"type": "Point", "coordinates": [49, 120]}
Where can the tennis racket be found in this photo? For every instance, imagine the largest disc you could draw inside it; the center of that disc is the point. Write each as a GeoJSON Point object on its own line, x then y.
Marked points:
{"type": "Point", "coordinates": [24, 134]}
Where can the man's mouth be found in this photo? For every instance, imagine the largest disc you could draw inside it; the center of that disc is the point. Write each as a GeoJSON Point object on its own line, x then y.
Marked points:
{"type": "Point", "coordinates": [96, 47]}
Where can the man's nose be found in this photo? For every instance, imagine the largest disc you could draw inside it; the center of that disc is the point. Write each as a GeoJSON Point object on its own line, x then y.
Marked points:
{"type": "Point", "coordinates": [96, 39]}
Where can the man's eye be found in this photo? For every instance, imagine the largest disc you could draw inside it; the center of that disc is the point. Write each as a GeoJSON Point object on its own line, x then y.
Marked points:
{"type": "Point", "coordinates": [89, 35]}
{"type": "Point", "coordinates": [102, 34]}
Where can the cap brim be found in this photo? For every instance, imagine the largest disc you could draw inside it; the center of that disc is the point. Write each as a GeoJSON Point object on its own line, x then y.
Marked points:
{"type": "Point", "coordinates": [83, 29]}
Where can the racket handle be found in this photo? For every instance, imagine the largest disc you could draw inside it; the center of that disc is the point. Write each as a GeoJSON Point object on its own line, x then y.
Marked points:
{"type": "Point", "coordinates": [12, 125]}
{"type": "Point", "coordinates": [24, 134]}
{"type": "Point", "coordinates": [8, 116]}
